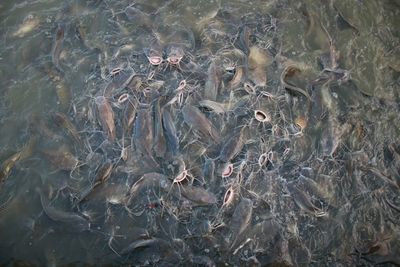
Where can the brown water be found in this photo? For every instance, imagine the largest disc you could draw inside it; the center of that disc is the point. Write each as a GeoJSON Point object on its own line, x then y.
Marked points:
{"type": "Point", "coordinates": [316, 174]}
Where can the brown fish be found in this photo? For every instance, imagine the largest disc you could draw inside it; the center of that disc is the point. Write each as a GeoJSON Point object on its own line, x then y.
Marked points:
{"type": "Point", "coordinates": [62, 89]}
{"type": "Point", "coordinates": [9, 163]}
{"type": "Point", "coordinates": [195, 119]}
{"type": "Point", "coordinates": [58, 46]}
{"type": "Point", "coordinates": [63, 121]}
{"type": "Point", "coordinates": [129, 115]}
{"type": "Point", "coordinates": [106, 117]}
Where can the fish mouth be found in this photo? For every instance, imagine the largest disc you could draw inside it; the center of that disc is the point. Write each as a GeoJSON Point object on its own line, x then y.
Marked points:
{"type": "Point", "coordinates": [174, 60]}
{"type": "Point", "coordinates": [155, 60]}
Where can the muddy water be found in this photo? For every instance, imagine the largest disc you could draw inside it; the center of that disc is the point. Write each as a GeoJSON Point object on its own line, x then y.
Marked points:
{"type": "Point", "coordinates": [306, 92]}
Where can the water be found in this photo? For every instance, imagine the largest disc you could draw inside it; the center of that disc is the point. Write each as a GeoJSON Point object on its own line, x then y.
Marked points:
{"type": "Point", "coordinates": [321, 174]}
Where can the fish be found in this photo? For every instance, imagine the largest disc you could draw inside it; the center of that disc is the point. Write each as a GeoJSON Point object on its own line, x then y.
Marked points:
{"type": "Point", "coordinates": [289, 71]}
{"type": "Point", "coordinates": [142, 243]}
{"type": "Point", "coordinates": [129, 115]}
{"type": "Point", "coordinates": [198, 195]}
{"type": "Point", "coordinates": [175, 53]}
{"type": "Point", "coordinates": [152, 179]}
{"type": "Point", "coordinates": [10, 162]}
{"type": "Point", "coordinates": [160, 142]}
{"type": "Point", "coordinates": [106, 117]}
{"type": "Point", "coordinates": [170, 132]}
{"type": "Point", "coordinates": [143, 139]}
{"type": "Point", "coordinates": [58, 46]}
{"type": "Point", "coordinates": [8, 165]}
{"type": "Point", "coordinates": [213, 82]}
{"type": "Point", "coordinates": [232, 147]}
{"type": "Point", "coordinates": [241, 219]}
{"type": "Point", "coordinates": [62, 89]}
{"type": "Point", "coordinates": [195, 119]}
{"type": "Point", "coordinates": [216, 107]}
{"type": "Point", "coordinates": [303, 201]}
{"type": "Point", "coordinates": [63, 121]}
{"type": "Point", "coordinates": [74, 221]}
{"type": "Point", "coordinates": [209, 172]}
{"type": "Point", "coordinates": [103, 174]}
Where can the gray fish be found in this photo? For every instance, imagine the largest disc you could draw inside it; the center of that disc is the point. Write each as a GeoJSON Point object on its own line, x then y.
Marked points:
{"type": "Point", "coordinates": [152, 179]}
{"type": "Point", "coordinates": [303, 201]}
{"type": "Point", "coordinates": [213, 82]}
{"type": "Point", "coordinates": [195, 119]}
{"type": "Point", "coordinates": [170, 132]}
{"type": "Point", "coordinates": [160, 243]}
{"type": "Point", "coordinates": [160, 146]}
{"type": "Point", "coordinates": [72, 219]}
{"type": "Point", "coordinates": [143, 134]}
{"type": "Point", "coordinates": [198, 195]}
{"type": "Point", "coordinates": [209, 172]}
{"type": "Point", "coordinates": [106, 117]}
{"type": "Point", "coordinates": [103, 174]}
{"type": "Point", "coordinates": [232, 147]}
{"type": "Point", "coordinates": [241, 219]}
{"type": "Point", "coordinates": [214, 106]}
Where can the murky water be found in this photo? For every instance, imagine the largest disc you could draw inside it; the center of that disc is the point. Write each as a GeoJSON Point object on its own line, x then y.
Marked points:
{"type": "Point", "coordinates": [200, 133]}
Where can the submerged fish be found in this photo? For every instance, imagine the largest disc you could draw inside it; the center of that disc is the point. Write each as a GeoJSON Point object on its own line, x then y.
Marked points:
{"type": "Point", "coordinates": [143, 138]}
{"type": "Point", "coordinates": [106, 117]}
{"type": "Point", "coordinates": [170, 132]}
{"type": "Point", "coordinates": [195, 119]}
{"type": "Point", "coordinates": [9, 163]}
{"type": "Point", "coordinates": [73, 220]}
{"type": "Point", "coordinates": [213, 82]}
{"type": "Point", "coordinates": [240, 219]}
{"type": "Point", "coordinates": [103, 174]}
{"type": "Point", "coordinates": [198, 195]}
{"type": "Point", "coordinates": [152, 179]}
{"type": "Point", "coordinates": [303, 201]}
{"type": "Point", "coordinates": [232, 147]}
{"type": "Point", "coordinates": [160, 143]}
{"type": "Point", "coordinates": [58, 46]}
{"type": "Point", "coordinates": [63, 121]}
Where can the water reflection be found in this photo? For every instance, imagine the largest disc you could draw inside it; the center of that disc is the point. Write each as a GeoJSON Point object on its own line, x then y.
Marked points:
{"type": "Point", "coordinates": [198, 133]}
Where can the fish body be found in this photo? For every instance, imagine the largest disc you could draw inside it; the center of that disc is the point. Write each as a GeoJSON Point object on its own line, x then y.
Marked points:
{"type": "Point", "coordinates": [106, 117]}
{"type": "Point", "coordinates": [241, 219]}
{"type": "Point", "coordinates": [232, 147]}
{"type": "Point", "coordinates": [198, 195]}
{"type": "Point", "coordinates": [195, 119]}
{"type": "Point", "coordinates": [63, 121]}
{"type": "Point", "coordinates": [170, 132]}
{"type": "Point", "coordinates": [72, 219]}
